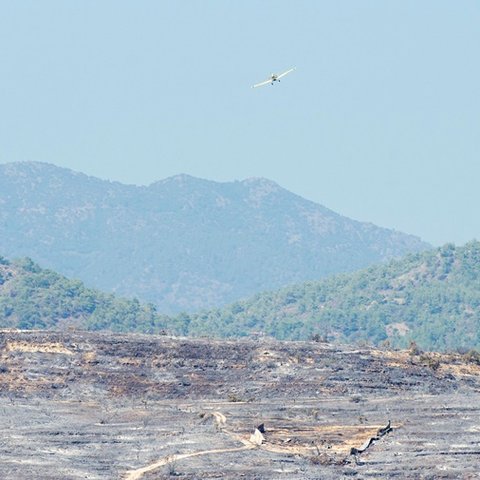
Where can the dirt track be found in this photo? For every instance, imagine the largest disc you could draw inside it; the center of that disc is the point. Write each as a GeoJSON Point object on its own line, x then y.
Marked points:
{"type": "Point", "coordinates": [115, 406]}
{"type": "Point", "coordinates": [136, 474]}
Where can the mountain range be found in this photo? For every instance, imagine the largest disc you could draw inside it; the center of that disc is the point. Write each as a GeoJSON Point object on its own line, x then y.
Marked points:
{"type": "Point", "coordinates": [182, 243]}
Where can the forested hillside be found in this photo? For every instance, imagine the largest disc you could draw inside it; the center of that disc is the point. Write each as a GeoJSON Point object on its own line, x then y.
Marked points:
{"type": "Point", "coordinates": [35, 298]}
{"type": "Point", "coordinates": [182, 243]}
{"type": "Point", "coordinates": [432, 298]}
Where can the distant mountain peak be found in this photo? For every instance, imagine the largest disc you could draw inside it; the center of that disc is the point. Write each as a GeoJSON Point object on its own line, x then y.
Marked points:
{"type": "Point", "coordinates": [181, 180]}
{"type": "Point", "coordinates": [261, 181]}
{"type": "Point", "coordinates": [260, 188]}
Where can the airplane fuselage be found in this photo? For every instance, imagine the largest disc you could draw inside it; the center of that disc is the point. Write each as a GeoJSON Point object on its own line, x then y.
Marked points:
{"type": "Point", "coordinates": [273, 78]}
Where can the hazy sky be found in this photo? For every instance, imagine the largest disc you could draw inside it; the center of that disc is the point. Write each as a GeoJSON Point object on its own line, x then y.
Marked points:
{"type": "Point", "coordinates": [380, 122]}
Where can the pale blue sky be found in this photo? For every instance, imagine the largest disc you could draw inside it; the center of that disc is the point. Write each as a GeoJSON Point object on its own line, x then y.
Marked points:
{"type": "Point", "coordinates": [380, 122]}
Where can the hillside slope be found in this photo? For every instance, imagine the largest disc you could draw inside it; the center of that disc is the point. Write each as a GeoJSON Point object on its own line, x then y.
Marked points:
{"type": "Point", "coordinates": [432, 298]}
{"type": "Point", "coordinates": [89, 405]}
{"type": "Point", "coordinates": [35, 298]}
{"type": "Point", "coordinates": [182, 243]}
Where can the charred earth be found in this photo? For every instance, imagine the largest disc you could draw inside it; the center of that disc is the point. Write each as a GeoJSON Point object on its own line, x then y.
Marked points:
{"type": "Point", "coordinates": [101, 406]}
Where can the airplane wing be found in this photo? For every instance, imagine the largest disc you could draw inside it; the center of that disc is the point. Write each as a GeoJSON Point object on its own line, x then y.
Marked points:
{"type": "Point", "coordinates": [285, 73]}
{"type": "Point", "coordinates": [261, 84]}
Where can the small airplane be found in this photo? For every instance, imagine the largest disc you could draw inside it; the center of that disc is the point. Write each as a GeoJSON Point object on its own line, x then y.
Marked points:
{"type": "Point", "coordinates": [273, 78]}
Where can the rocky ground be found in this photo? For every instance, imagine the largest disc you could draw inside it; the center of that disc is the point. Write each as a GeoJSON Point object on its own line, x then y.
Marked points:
{"type": "Point", "coordinates": [106, 406]}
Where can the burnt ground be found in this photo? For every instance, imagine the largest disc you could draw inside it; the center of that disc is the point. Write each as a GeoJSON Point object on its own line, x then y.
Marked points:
{"type": "Point", "coordinates": [105, 406]}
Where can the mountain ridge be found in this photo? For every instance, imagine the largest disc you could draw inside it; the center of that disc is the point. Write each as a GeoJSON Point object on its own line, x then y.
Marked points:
{"type": "Point", "coordinates": [182, 243]}
{"type": "Point", "coordinates": [35, 298]}
{"type": "Point", "coordinates": [431, 298]}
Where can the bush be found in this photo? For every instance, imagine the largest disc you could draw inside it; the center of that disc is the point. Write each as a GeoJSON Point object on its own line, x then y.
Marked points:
{"type": "Point", "coordinates": [473, 356]}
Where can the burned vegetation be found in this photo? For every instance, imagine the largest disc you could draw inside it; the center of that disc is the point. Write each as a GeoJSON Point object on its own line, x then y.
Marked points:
{"type": "Point", "coordinates": [102, 406]}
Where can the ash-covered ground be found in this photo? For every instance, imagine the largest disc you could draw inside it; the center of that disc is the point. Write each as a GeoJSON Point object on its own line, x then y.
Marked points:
{"type": "Point", "coordinates": [107, 406]}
